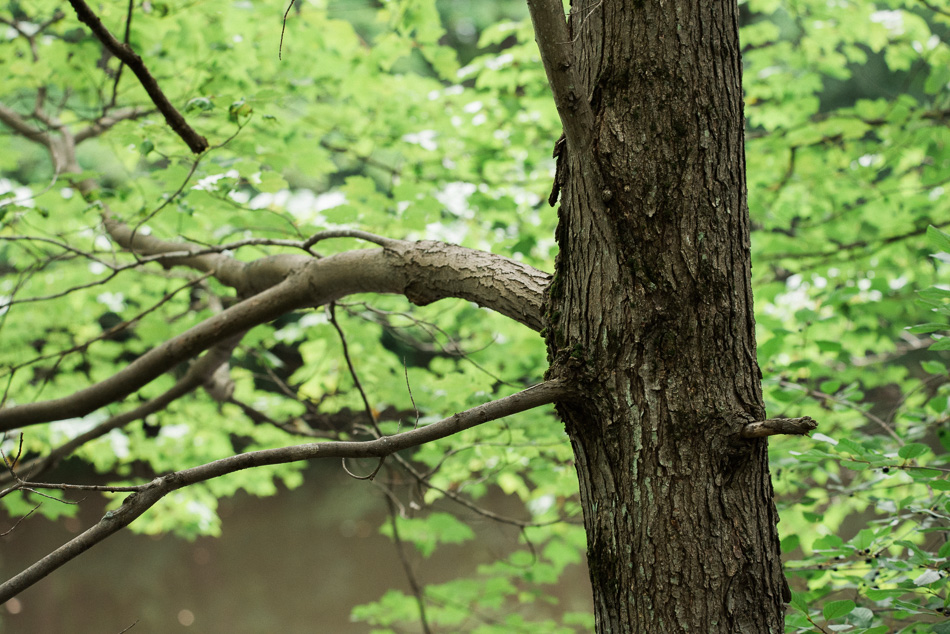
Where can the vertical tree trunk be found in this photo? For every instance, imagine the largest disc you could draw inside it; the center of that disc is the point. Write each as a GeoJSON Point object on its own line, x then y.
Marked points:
{"type": "Point", "coordinates": [650, 312]}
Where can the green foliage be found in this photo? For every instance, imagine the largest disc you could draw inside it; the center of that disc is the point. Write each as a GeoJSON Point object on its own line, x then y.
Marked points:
{"type": "Point", "coordinates": [847, 153]}
{"type": "Point", "coordinates": [371, 120]}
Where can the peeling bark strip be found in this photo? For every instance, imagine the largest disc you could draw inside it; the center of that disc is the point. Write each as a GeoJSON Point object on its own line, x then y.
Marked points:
{"type": "Point", "coordinates": [176, 121]}
{"type": "Point", "coordinates": [650, 315]}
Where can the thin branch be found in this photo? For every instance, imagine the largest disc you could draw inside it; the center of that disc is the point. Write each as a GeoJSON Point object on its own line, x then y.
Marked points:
{"type": "Point", "coordinates": [106, 333]}
{"type": "Point", "coordinates": [833, 254]}
{"type": "Point", "coordinates": [417, 590]}
{"type": "Point", "coordinates": [348, 233]}
{"type": "Point", "coordinates": [253, 311]}
{"type": "Point", "coordinates": [18, 124]}
{"type": "Point", "coordinates": [147, 495]}
{"type": "Point", "coordinates": [31, 37]}
{"type": "Point", "coordinates": [17, 523]}
{"type": "Point", "coordinates": [817, 394]}
{"type": "Point", "coordinates": [125, 40]}
{"type": "Point", "coordinates": [283, 27]}
{"type": "Point", "coordinates": [936, 9]}
{"type": "Point", "coordinates": [127, 56]}
{"type": "Point", "coordinates": [103, 123]}
{"type": "Point", "coordinates": [459, 499]}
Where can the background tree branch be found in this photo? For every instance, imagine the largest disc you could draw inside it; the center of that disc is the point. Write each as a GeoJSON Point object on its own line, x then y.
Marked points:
{"type": "Point", "coordinates": [124, 52]}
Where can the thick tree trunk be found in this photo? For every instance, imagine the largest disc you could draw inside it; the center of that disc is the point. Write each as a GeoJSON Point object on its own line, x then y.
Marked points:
{"type": "Point", "coordinates": [650, 311]}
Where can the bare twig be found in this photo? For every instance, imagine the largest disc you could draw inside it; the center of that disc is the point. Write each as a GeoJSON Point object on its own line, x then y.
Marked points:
{"type": "Point", "coordinates": [17, 523]}
{"type": "Point", "coordinates": [417, 590]}
{"type": "Point", "coordinates": [283, 27]}
{"type": "Point", "coordinates": [103, 123]}
{"type": "Point", "coordinates": [107, 333]}
{"type": "Point", "coordinates": [18, 124]}
{"type": "Point", "coordinates": [253, 311]}
{"type": "Point", "coordinates": [331, 314]}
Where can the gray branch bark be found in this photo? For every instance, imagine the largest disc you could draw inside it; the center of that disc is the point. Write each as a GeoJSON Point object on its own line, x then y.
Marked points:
{"type": "Point", "coordinates": [422, 271]}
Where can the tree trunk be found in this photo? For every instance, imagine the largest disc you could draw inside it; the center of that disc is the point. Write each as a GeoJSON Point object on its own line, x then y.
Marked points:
{"type": "Point", "coordinates": [650, 311]}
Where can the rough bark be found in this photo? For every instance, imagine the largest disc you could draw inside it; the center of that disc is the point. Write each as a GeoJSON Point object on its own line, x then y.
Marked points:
{"type": "Point", "coordinates": [650, 312]}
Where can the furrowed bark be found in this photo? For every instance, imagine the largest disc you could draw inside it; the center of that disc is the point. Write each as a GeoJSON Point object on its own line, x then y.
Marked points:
{"type": "Point", "coordinates": [650, 314]}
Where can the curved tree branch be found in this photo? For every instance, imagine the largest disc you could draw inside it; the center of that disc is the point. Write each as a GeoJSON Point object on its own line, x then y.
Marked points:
{"type": "Point", "coordinates": [103, 123]}
{"type": "Point", "coordinates": [147, 495]}
{"type": "Point", "coordinates": [18, 124]}
{"type": "Point", "coordinates": [422, 271]}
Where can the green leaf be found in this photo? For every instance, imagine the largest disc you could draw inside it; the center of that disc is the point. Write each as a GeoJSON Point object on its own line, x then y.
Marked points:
{"type": "Point", "coordinates": [928, 328]}
{"type": "Point", "coordinates": [912, 450]}
{"type": "Point", "coordinates": [933, 367]}
{"type": "Point", "coordinates": [837, 609]}
{"type": "Point", "coordinates": [939, 240]}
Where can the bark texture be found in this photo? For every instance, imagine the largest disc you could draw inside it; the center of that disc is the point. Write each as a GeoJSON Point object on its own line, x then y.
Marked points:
{"type": "Point", "coordinates": [650, 312]}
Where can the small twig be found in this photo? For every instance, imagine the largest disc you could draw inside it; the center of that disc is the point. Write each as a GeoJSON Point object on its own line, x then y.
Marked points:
{"type": "Point", "coordinates": [31, 487]}
{"type": "Point", "coordinates": [11, 464]}
{"type": "Point", "coordinates": [405, 369]}
{"type": "Point", "coordinates": [331, 312]}
{"type": "Point", "coordinates": [776, 426]}
{"type": "Point", "coordinates": [283, 27]}
{"type": "Point", "coordinates": [349, 233]}
{"type": "Point", "coordinates": [191, 381]}
{"type": "Point", "coordinates": [13, 528]}
{"type": "Point", "coordinates": [106, 333]}
{"type": "Point", "coordinates": [129, 627]}
{"type": "Point", "coordinates": [371, 476]}
{"type": "Point", "coordinates": [423, 480]}
{"type": "Point", "coordinates": [125, 40]}
{"type": "Point", "coordinates": [417, 590]}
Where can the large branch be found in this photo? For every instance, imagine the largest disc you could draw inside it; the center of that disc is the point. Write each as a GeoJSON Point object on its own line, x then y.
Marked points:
{"type": "Point", "coordinates": [422, 271]}
{"type": "Point", "coordinates": [557, 55]}
{"type": "Point", "coordinates": [124, 52]}
{"type": "Point", "coordinates": [147, 495]}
